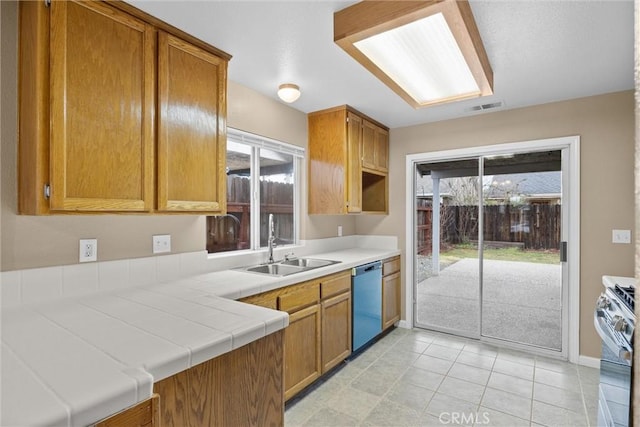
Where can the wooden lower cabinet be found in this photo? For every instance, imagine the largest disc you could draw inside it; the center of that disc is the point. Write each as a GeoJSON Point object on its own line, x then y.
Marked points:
{"type": "Point", "coordinates": [144, 414]}
{"type": "Point", "coordinates": [336, 330]}
{"type": "Point", "coordinates": [319, 333]}
{"type": "Point", "coordinates": [302, 350]}
{"type": "Point", "coordinates": [391, 283]}
{"type": "Point", "coordinates": [241, 388]}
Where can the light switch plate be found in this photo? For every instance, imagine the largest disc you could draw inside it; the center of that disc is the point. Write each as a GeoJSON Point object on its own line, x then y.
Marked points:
{"type": "Point", "coordinates": [621, 236]}
{"type": "Point", "coordinates": [161, 243]}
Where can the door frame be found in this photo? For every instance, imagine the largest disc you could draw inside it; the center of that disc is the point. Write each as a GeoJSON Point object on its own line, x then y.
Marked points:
{"type": "Point", "coordinates": [571, 202]}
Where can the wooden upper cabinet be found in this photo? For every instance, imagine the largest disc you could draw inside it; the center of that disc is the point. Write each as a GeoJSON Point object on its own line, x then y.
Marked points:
{"type": "Point", "coordinates": [354, 166]}
{"type": "Point", "coordinates": [191, 127]}
{"type": "Point", "coordinates": [94, 77]}
{"type": "Point", "coordinates": [375, 146]}
{"type": "Point", "coordinates": [347, 163]}
{"type": "Point", "coordinates": [102, 96]}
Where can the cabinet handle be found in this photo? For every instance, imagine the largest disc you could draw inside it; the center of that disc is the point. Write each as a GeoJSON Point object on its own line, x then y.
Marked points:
{"type": "Point", "coordinates": [47, 191]}
{"type": "Point", "coordinates": [47, 3]}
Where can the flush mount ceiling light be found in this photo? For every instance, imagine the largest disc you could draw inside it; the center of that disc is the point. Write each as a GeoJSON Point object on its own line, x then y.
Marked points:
{"type": "Point", "coordinates": [428, 52]}
{"type": "Point", "coordinates": [289, 92]}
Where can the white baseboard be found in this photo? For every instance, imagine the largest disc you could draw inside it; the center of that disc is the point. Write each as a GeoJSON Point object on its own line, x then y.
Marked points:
{"type": "Point", "coordinates": [404, 324]}
{"type": "Point", "coordinates": [591, 362]}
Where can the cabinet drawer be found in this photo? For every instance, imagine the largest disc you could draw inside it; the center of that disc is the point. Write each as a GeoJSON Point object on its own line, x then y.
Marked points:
{"type": "Point", "coordinates": [336, 284]}
{"type": "Point", "coordinates": [299, 298]}
{"type": "Point", "coordinates": [267, 299]}
{"type": "Point", "coordinates": [390, 266]}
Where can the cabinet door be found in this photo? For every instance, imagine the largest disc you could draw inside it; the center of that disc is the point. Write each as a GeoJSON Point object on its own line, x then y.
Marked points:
{"type": "Point", "coordinates": [191, 127]}
{"type": "Point", "coordinates": [354, 168]}
{"type": "Point", "coordinates": [375, 147]}
{"type": "Point", "coordinates": [336, 330]}
{"type": "Point", "coordinates": [302, 350]}
{"type": "Point", "coordinates": [102, 102]}
{"type": "Point", "coordinates": [369, 145]}
{"type": "Point", "coordinates": [390, 300]}
{"type": "Point", "coordinates": [381, 149]}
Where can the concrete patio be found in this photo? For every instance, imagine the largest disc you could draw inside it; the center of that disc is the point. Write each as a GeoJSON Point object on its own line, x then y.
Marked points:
{"type": "Point", "coordinates": [522, 301]}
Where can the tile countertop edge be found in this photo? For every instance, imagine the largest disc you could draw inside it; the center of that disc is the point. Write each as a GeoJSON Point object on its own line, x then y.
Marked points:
{"type": "Point", "coordinates": [259, 324]}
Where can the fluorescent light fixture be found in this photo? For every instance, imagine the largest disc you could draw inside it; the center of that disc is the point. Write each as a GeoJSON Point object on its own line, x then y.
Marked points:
{"type": "Point", "coordinates": [429, 52]}
{"type": "Point", "coordinates": [289, 92]}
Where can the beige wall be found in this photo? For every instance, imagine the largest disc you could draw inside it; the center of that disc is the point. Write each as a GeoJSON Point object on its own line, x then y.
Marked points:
{"type": "Point", "coordinates": [605, 125]}
{"type": "Point", "coordinates": [30, 241]}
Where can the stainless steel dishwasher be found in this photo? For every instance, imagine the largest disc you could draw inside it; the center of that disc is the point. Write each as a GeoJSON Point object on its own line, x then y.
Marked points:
{"type": "Point", "coordinates": [366, 287]}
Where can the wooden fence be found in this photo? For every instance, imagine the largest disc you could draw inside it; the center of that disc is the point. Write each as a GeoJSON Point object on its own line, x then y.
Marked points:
{"type": "Point", "coordinates": [536, 226]}
{"type": "Point", "coordinates": [230, 232]}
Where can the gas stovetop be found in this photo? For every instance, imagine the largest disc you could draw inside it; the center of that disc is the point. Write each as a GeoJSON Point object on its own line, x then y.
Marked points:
{"type": "Point", "coordinates": [626, 294]}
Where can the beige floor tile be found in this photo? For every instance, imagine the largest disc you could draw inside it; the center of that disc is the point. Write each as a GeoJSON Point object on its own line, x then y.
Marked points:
{"type": "Point", "coordinates": [513, 368]}
{"type": "Point", "coordinates": [461, 389]}
{"type": "Point", "coordinates": [326, 417]}
{"type": "Point", "coordinates": [354, 403]}
{"type": "Point", "coordinates": [449, 409]}
{"type": "Point", "coordinates": [567, 381]}
{"type": "Point", "coordinates": [388, 413]}
{"type": "Point", "coordinates": [394, 383]}
{"type": "Point", "coordinates": [492, 418]}
{"type": "Point", "coordinates": [422, 378]}
{"type": "Point", "coordinates": [409, 343]}
{"type": "Point", "coordinates": [442, 352]}
{"type": "Point", "coordinates": [475, 359]}
{"type": "Point", "coordinates": [410, 395]}
{"type": "Point", "coordinates": [558, 397]}
{"type": "Point", "coordinates": [552, 416]}
{"type": "Point", "coordinates": [512, 384]}
{"type": "Point", "coordinates": [555, 365]}
{"type": "Point", "coordinates": [433, 364]}
{"type": "Point", "coordinates": [376, 382]}
{"type": "Point", "coordinates": [516, 356]}
{"type": "Point", "coordinates": [507, 402]}
{"type": "Point", "coordinates": [470, 373]}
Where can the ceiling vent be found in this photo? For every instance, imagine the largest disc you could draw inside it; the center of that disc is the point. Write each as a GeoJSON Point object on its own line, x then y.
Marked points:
{"type": "Point", "coordinates": [484, 107]}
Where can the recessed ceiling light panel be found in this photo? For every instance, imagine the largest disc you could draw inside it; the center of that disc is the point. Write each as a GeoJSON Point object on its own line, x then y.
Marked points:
{"type": "Point", "coordinates": [423, 58]}
{"type": "Point", "coordinates": [429, 52]}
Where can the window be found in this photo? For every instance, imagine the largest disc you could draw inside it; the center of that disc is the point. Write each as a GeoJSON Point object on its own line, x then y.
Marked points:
{"type": "Point", "coordinates": [262, 179]}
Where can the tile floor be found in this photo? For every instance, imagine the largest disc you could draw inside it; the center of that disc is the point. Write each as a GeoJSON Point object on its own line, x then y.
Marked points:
{"type": "Point", "coordinates": [423, 378]}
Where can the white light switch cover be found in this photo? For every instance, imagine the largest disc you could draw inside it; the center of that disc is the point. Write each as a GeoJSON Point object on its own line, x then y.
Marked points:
{"type": "Point", "coordinates": [161, 243]}
{"type": "Point", "coordinates": [621, 236]}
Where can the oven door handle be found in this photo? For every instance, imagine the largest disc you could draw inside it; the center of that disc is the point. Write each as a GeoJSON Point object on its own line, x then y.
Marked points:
{"type": "Point", "coordinates": [604, 330]}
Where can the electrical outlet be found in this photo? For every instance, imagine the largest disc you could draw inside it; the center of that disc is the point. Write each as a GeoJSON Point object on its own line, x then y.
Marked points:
{"type": "Point", "coordinates": [339, 231]}
{"type": "Point", "coordinates": [161, 243]}
{"type": "Point", "coordinates": [88, 250]}
{"type": "Point", "coordinates": [621, 236]}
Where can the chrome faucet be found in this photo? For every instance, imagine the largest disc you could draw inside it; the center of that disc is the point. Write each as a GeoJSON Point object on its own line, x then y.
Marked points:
{"type": "Point", "coordinates": [271, 241]}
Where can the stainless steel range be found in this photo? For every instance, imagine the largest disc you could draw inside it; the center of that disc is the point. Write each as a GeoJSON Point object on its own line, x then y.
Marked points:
{"type": "Point", "coordinates": [615, 320]}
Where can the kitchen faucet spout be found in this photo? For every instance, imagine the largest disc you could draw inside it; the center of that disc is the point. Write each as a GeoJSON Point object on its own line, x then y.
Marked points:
{"type": "Point", "coordinates": [271, 240]}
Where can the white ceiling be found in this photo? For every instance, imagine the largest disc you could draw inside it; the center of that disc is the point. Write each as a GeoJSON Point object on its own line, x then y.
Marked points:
{"type": "Point", "coordinates": [540, 52]}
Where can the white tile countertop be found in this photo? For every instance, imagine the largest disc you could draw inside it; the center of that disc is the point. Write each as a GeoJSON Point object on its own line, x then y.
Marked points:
{"type": "Point", "coordinates": [77, 360]}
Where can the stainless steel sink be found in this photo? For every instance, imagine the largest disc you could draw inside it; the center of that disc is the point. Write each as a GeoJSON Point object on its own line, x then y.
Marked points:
{"type": "Point", "coordinates": [309, 262]}
{"type": "Point", "coordinates": [274, 269]}
{"type": "Point", "coordinates": [288, 266]}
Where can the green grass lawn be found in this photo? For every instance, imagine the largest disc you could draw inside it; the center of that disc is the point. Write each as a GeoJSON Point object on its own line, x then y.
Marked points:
{"type": "Point", "coordinates": [506, 254]}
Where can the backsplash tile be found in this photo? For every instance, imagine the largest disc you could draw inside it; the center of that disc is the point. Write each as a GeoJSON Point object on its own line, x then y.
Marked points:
{"type": "Point", "coordinates": [41, 284]}
{"type": "Point", "coordinates": [113, 275]}
{"type": "Point", "coordinates": [79, 279]}
{"type": "Point", "coordinates": [168, 267]}
{"type": "Point", "coordinates": [143, 271]}
{"type": "Point", "coordinates": [10, 281]}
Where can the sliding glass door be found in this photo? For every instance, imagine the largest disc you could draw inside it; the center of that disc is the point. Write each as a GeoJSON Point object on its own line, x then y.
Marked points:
{"type": "Point", "coordinates": [488, 238]}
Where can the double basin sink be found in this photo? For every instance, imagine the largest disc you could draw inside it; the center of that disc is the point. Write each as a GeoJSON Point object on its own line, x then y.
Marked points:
{"type": "Point", "coordinates": [288, 266]}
